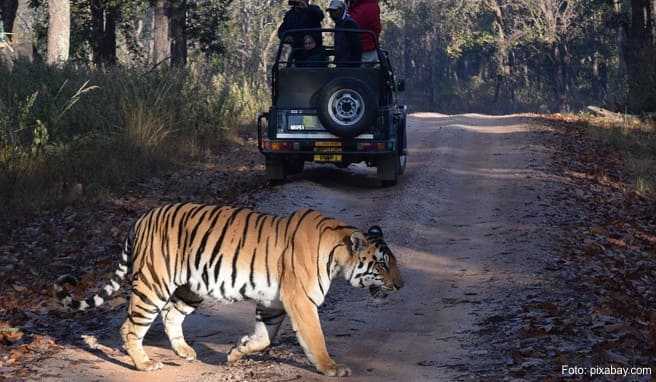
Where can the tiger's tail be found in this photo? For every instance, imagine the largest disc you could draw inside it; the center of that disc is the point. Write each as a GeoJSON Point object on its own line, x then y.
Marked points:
{"type": "Point", "coordinates": [67, 300]}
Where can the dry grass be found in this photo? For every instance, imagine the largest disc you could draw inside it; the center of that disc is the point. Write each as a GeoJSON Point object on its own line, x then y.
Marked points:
{"type": "Point", "coordinates": [634, 138]}
{"type": "Point", "coordinates": [61, 128]}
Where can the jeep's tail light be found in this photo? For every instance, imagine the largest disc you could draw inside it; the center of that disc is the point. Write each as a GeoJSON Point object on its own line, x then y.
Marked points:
{"type": "Point", "coordinates": [281, 146]}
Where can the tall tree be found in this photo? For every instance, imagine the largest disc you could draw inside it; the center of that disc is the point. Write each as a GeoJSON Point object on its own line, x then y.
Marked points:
{"type": "Point", "coordinates": [59, 31]}
{"type": "Point", "coordinates": [162, 43]}
{"type": "Point", "coordinates": [104, 20]}
{"type": "Point", "coordinates": [641, 57]}
{"type": "Point", "coordinates": [23, 31]}
{"type": "Point", "coordinates": [503, 50]}
{"type": "Point", "coordinates": [8, 13]}
{"type": "Point", "coordinates": [179, 33]}
{"type": "Point", "coordinates": [18, 18]}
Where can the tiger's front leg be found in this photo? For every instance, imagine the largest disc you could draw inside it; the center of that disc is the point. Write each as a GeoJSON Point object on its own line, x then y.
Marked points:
{"type": "Point", "coordinates": [267, 324]}
{"type": "Point", "coordinates": [305, 321]}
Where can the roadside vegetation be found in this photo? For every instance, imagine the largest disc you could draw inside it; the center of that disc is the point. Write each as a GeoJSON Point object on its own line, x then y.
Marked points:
{"type": "Point", "coordinates": [630, 141]}
{"type": "Point", "coordinates": [72, 130]}
{"type": "Point", "coordinates": [87, 112]}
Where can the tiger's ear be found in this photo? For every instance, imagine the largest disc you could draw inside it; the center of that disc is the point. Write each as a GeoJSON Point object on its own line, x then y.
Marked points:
{"type": "Point", "coordinates": [375, 231]}
{"type": "Point", "coordinates": [358, 242]}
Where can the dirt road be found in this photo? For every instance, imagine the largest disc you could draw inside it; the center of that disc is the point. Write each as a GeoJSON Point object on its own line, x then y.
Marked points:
{"type": "Point", "coordinates": [466, 224]}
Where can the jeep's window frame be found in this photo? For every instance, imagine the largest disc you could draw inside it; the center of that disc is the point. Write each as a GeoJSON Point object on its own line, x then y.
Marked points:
{"type": "Point", "coordinates": [290, 32]}
{"type": "Point", "coordinates": [383, 62]}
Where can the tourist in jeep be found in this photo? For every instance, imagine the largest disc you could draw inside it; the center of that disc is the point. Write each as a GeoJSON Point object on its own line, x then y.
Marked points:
{"type": "Point", "coordinates": [348, 45]}
{"type": "Point", "coordinates": [366, 13]}
{"type": "Point", "coordinates": [312, 55]}
{"type": "Point", "coordinates": [301, 15]}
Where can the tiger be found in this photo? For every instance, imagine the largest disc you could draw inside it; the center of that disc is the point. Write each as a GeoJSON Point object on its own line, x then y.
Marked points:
{"type": "Point", "coordinates": [180, 254]}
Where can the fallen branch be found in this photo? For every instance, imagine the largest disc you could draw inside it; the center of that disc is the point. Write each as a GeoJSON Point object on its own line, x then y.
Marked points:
{"type": "Point", "coordinates": [596, 110]}
{"type": "Point", "coordinates": [601, 112]}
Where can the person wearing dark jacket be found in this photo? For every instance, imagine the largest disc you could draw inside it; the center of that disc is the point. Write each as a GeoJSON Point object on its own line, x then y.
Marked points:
{"type": "Point", "coordinates": [312, 55]}
{"type": "Point", "coordinates": [348, 45]}
{"type": "Point", "coordinates": [367, 14]}
{"type": "Point", "coordinates": [302, 15]}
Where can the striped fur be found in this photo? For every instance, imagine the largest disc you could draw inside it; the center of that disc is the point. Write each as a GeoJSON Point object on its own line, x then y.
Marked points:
{"type": "Point", "coordinates": [182, 253]}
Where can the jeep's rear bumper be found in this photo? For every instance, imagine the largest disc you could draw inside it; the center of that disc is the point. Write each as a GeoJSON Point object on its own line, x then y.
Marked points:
{"type": "Point", "coordinates": [311, 146]}
{"type": "Point", "coordinates": [327, 151]}
{"type": "Point", "coordinates": [317, 147]}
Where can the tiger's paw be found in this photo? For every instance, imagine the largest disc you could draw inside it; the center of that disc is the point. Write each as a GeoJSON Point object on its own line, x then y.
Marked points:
{"type": "Point", "coordinates": [149, 365]}
{"type": "Point", "coordinates": [337, 370]}
{"type": "Point", "coordinates": [234, 355]}
{"type": "Point", "coordinates": [185, 351]}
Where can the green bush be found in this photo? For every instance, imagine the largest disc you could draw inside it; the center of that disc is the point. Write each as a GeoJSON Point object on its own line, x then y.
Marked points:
{"type": "Point", "coordinates": [64, 126]}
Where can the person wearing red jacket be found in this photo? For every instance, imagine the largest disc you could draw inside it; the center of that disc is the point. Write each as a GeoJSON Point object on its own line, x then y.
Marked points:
{"type": "Point", "coordinates": [367, 14]}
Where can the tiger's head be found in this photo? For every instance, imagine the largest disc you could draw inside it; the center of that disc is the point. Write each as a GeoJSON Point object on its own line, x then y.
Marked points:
{"type": "Point", "coordinates": [376, 266]}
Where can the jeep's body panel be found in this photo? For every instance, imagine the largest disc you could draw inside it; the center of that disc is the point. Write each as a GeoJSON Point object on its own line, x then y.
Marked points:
{"type": "Point", "coordinates": [297, 88]}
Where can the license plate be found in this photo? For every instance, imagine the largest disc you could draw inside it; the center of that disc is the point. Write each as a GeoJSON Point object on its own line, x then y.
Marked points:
{"type": "Point", "coordinates": [327, 151]}
{"type": "Point", "coordinates": [323, 147]}
{"type": "Point", "coordinates": [327, 157]}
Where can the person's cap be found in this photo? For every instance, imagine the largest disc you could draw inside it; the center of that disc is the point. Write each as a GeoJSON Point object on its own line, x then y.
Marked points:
{"type": "Point", "coordinates": [336, 5]}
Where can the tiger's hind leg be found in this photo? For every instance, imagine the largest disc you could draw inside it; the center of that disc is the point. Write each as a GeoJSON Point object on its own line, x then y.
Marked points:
{"type": "Point", "coordinates": [145, 304]}
{"type": "Point", "coordinates": [267, 324]}
{"type": "Point", "coordinates": [182, 304]}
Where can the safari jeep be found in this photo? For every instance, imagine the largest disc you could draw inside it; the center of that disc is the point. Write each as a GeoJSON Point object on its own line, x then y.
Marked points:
{"type": "Point", "coordinates": [333, 114]}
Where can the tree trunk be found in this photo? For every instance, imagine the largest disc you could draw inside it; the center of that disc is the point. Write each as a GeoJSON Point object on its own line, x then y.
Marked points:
{"type": "Point", "coordinates": [567, 79]}
{"type": "Point", "coordinates": [432, 81]}
{"type": "Point", "coordinates": [511, 76]}
{"type": "Point", "coordinates": [145, 34]}
{"type": "Point", "coordinates": [620, 38]}
{"type": "Point", "coordinates": [22, 39]}
{"type": "Point", "coordinates": [558, 76]}
{"type": "Point", "coordinates": [653, 22]}
{"type": "Point", "coordinates": [162, 44]}
{"type": "Point", "coordinates": [640, 58]}
{"type": "Point", "coordinates": [502, 54]}
{"type": "Point", "coordinates": [407, 54]}
{"type": "Point", "coordinates": [266, 55]}
{"type": "Point", "coordinates": [596, 75]}
{"type": "Point", "coordinates": [8, 13]}
{"type": "Point", "coordinates": [406, 39]}
{"type": "Point", "coordinates": [104, 21]}
{"type": "Point", "coordinates": [7, 56]}
{"type": "Point", "coordinates": [59, 31]}
{"type": "Point", "coordinates": [179, 33]}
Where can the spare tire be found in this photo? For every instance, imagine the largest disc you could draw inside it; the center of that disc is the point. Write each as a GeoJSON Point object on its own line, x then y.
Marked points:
{"type": "Point", "coordinates": [347, 107]}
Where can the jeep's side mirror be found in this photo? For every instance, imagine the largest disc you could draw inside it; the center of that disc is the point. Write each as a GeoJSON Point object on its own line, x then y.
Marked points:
{"type": "Point", "coordinates": [400, 85]}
